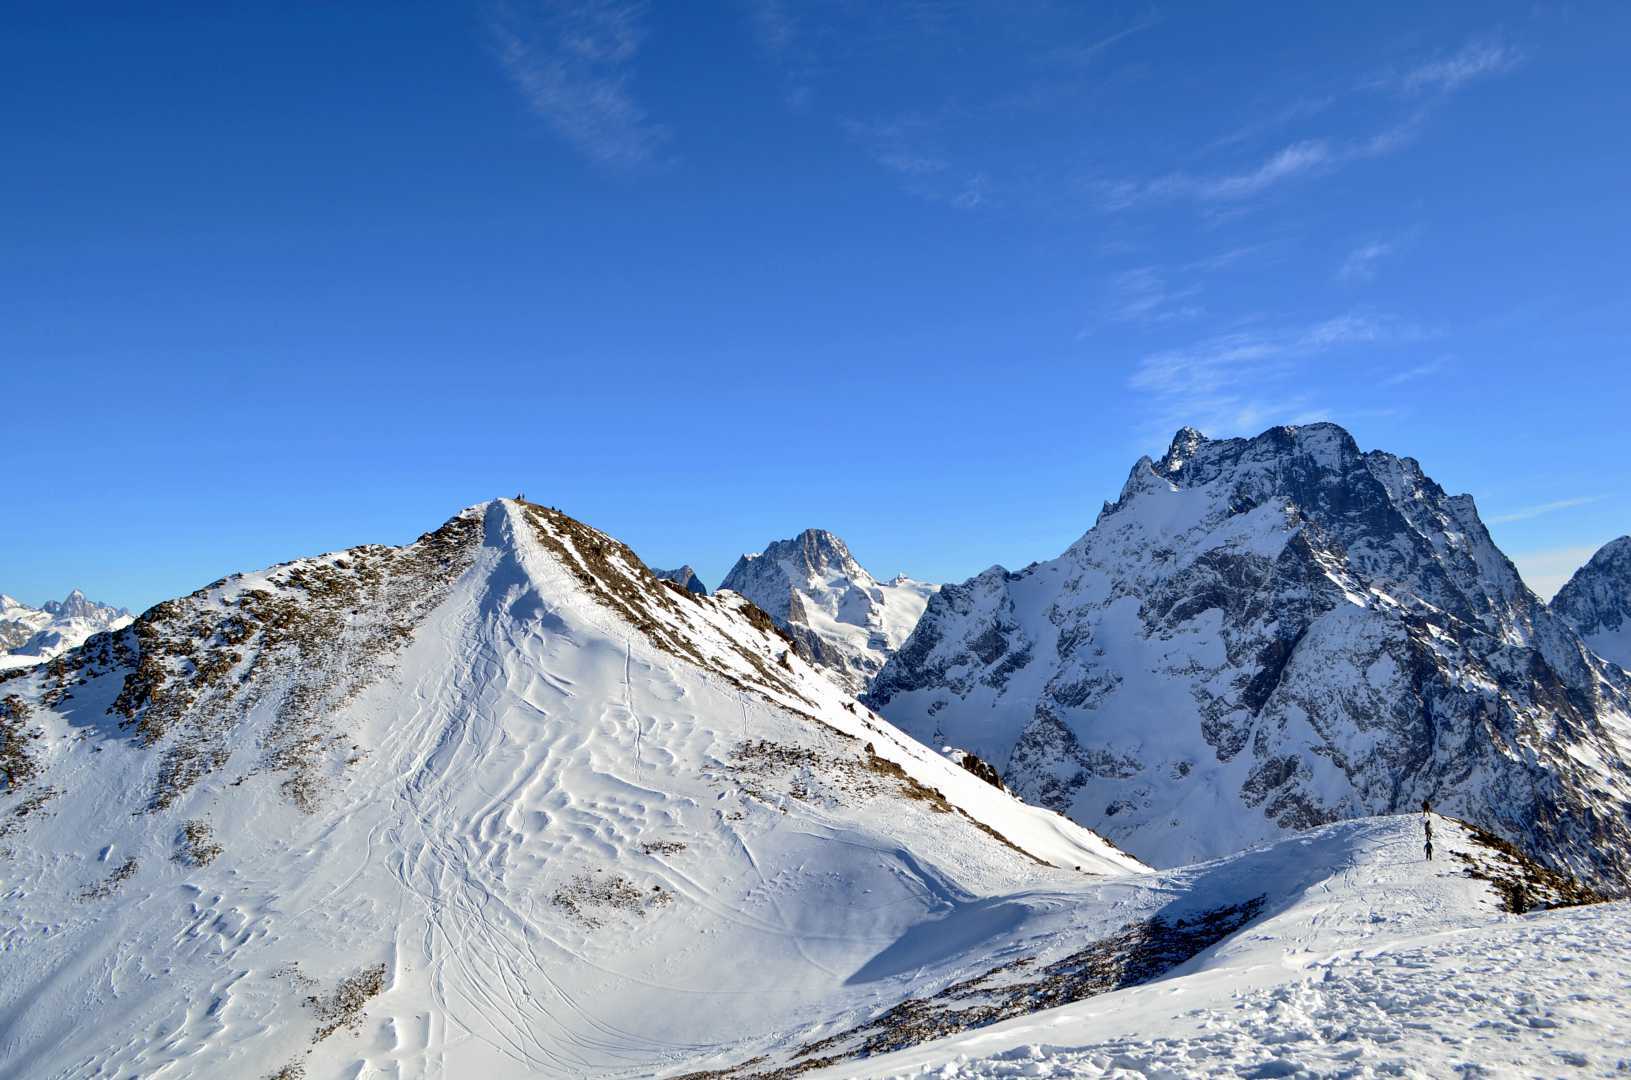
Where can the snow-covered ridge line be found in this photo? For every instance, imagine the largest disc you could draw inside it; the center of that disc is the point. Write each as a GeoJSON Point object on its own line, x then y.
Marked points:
{"type": "Point", "coordinates": [728, 634]}
{"type": "Point", "coordinates": [471, 806]}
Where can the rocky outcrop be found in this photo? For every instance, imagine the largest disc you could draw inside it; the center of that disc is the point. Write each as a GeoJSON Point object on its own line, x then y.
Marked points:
{"type": "Point", "coordinates": [1597, 602]}
{"type": "Point", "coordinates": [1268, 634]}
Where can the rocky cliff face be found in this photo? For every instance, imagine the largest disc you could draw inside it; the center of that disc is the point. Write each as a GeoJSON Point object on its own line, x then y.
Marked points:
{"type": "Point", "coordinates": [1597, 602]}
{"type": "Point", "coordinates": [1271, 633]}
{"type": "Point", "coordinates": [843, 618]}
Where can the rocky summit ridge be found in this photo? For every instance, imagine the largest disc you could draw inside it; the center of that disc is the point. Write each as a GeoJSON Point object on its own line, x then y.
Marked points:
{"type": "Point", "coordinates": [1264, 634]}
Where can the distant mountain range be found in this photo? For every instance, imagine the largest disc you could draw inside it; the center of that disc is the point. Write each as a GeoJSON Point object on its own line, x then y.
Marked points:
{"type": "Point", "coordinates": [29, 635]}
{"type": "Point", "coordinates": [505, 802]}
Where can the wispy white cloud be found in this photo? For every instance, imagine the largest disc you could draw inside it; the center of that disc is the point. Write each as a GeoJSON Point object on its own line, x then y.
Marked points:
{"type": "Point", "coordinates": [1549, 569]}
{"type": "Point", "coordinates": [1305, 158]}
{"type": "Point", "coordinates": [1143, 294]}
{"type": "Point", "coordinates": [1080, 55]}
{"type": "Point", "coordinates": [1476, 59]}
{"type": "Point", "coordinates": [1319, 155]}
{"type": "Point", "coordinates": [1235, 382]}
{"type": "Point", "coordinates": [1360, 264]}
{"type": "Point", "coordinates": [1542, 509]}
{"type": "Point", "coordinates": [1411, 374]}
{"type": "Point", "coordinates": [1274, 120]}
{"type": "Point", "coordinates": [909, 147]}
{"type": "Point", "coordinates": [573, 60]}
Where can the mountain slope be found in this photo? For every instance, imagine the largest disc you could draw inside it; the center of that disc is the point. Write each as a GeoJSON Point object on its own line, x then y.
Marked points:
{"type": "Point", "coordinates": [30, 635]}
{"type": "Point", "coordinates": [499, 803]}
{"type": "Point", "coordinates": [1268, 634]}
{"type": "Point", "coordinates": [847, 621]}
{"type": "Point", "coordinates": [1367, 961]}
{"type": "Point", "coordinates": [1596, 601]}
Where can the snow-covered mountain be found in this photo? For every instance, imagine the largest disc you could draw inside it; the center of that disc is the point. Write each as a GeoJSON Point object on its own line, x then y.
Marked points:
{"type": "Point", "coordinates": [847, 621]}
{"type": "Point", "coordinates": [1272, 633]}
{"type": "Point", "coordinates": [1597, 602]}
{"type": "Point", "coordinates": [29, 635]}
{"type": "Point", "coordinates": [497, 803]}
{"type": "Point", "coordinates": [685, 577]}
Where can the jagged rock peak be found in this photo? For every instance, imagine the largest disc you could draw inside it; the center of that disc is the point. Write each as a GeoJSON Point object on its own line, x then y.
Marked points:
{"type": "Point", "coordinates": [817, 551]}
{"type": "Point", "coordinates": [29, 635]}
{"type": "Point", "coordinates": [1267, 633]}
{"type": "Point", "coordinates": [685, 577]}
{"type": "Point", "coordinates": [1193, 457]}
{"type": "Point", "coordinates": [844, 619]}
{"type": "Point", "coordinates": [1596, 601]}
{"type": "Point", "coordinates": [76, 606]}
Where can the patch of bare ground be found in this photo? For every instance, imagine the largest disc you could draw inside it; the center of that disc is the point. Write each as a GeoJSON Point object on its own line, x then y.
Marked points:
{"type": "Point", "coordinates": [105, 888]}
{"type": "Point", "coordinates": [32, 803]}
{"type": "Point", "coordinates": [1137, 953]}
{"type": "Point", "coordinates": [662, 847]}
{"type": "Point", "coordinates": [18, 765]}
{"type": "Point", "coordinates": [808, 773]}
{"type": "Point", "coordinates": [588, 896]}
{"type": "Point", "coordinates": [344, 1007]}
{"type": "Point", "coordinates": [1522, 883]}
{"type": "Point", "coordinates": [195, 846]}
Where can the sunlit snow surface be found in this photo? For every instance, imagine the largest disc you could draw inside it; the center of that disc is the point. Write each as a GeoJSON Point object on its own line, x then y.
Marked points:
{"type": "Point", "coordinates": [553, 836]}
{"type": "Point", "coordinates": [563, 851]}
{"type": "Point", "coordinates": [1390, 967]}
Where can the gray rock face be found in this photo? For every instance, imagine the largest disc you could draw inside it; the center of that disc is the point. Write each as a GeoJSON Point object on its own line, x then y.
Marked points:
{"type": "Point", "coordinates": [1597, 602]}
{"type": "Point", "coordinates": [1271, 633]}
{"type": "Point", "coordinates": [685, 577]}
{"type": "Point", "coordinates": [843, 618]}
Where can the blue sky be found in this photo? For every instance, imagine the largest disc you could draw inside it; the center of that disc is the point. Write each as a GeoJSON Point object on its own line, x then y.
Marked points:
{"type": "Point", "coordinates": [283, 278]}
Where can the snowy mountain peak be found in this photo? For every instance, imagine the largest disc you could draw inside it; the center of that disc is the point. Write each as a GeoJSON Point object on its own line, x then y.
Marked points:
{"type": "Point", "coordinates": [1268, 633]}
{"type": "Point", "coordinates": [31, 635]}
{"type": "Point", "coordinates": [685, 577]}
{"type": "Point", "coordinates": [816, 553]}
{"type": "Point", "coordinates": [845, 619]}
{"type": "Point", "coordinates": [1596, 601]}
